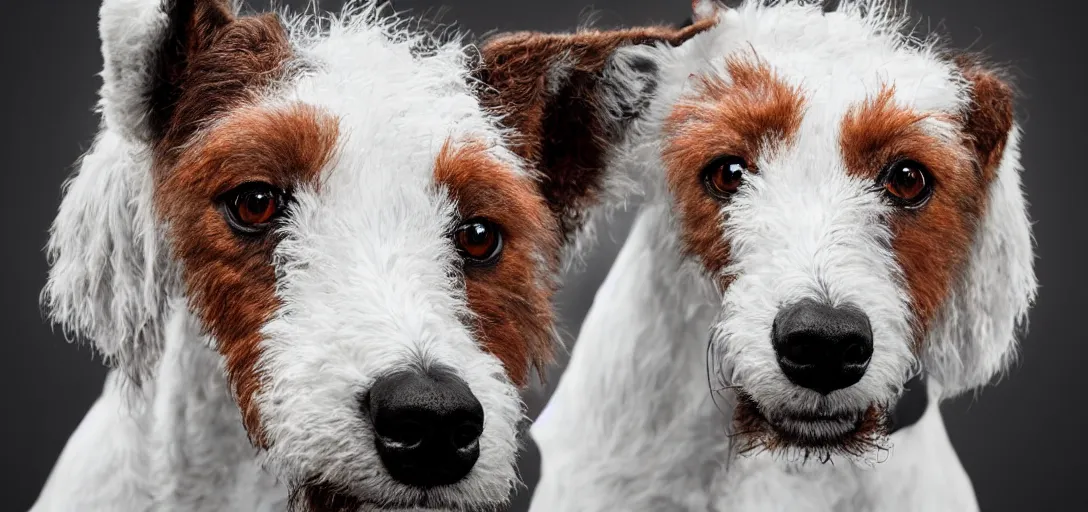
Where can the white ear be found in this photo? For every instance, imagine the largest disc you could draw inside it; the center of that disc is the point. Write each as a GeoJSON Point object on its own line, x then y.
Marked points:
{"type": "Point", "coordinates": [108, 278]}
{"type": "Point", "coordinates": [132, 32]}
{"type": "Point", "coordinates": [975, 335]}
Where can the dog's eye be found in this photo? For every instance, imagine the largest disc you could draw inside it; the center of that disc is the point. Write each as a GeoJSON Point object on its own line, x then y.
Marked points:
{"type": "Point", "coordinates": [479, 241]}
{"type": "Point", "coordinates": [908, 183]}
{"type": "Point", "coordinates": [723, 176]}
{"type": "Point", "coordinates": [251, 208]}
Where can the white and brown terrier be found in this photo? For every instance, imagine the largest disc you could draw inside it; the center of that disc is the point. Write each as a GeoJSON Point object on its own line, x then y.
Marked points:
{"type": "Point", "coordinates": [320, 253]}
{"type": "Point", "coordinates": [834, 206]}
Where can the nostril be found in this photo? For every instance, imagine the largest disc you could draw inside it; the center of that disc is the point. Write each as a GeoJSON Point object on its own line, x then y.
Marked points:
{"type": "Point", "coordinates": [401, 434]}
{"type": "Point", "coordinates": [802, 349]}
{"type": "Point", "coordinates": [466, 435]}
{"type": "Point", "coordinates": [857, 352]}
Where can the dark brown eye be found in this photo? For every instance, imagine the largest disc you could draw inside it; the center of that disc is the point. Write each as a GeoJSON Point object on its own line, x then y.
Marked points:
{"type": "Point", "coordinates": [723, 176]}
{"type": "Point", "coordinates": [908, 183]}
{"type": "Point", "coordinates": [479, 241]}
{"type": "Point", "coordinates": [252, 207]}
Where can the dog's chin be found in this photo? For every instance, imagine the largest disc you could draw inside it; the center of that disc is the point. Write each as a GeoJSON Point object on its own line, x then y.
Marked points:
{"type": "Point", "coordinates": [819, 435]}
{"type": "Point", "coordinates": [329, 498]}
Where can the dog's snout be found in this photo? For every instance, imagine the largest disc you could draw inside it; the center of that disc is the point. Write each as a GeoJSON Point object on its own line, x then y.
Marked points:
{"type": "Point", "coordinates": [820, 347]}
{"type": "Point", "coordinates": [427, 426]}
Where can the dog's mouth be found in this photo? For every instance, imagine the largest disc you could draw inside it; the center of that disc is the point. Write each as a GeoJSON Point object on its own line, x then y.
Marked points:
{"type": "Point", "coordinates": [811, 434]}
{"type": "Point", "coordinates": [329, 498]}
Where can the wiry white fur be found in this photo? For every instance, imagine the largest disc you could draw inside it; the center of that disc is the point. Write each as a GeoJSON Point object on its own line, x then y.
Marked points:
{"type": "Point", "coordinates": [132, 31]}
{"type": "Point", "coordinates": [364, 275]}
{"type": "Point", "coordinates": [174, 443]}
{"type": "Point", "coordinates": [975, 337]}
{"type": "Point", "coordinates": [369, 293]}
{"type": "Point", "coordinates": [109, 277]}
{"type": "Point", "coordinates": [802, 229]}
{"type": "Point", "coordinates": [642, 417]}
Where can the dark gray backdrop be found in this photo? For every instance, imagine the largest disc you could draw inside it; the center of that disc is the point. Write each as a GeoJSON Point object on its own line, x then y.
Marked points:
{"type": "Point", "coordinates": [1022, 441]}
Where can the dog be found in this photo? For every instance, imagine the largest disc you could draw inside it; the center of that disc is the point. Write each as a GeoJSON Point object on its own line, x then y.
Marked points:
{"type": "Point", "coordinates": [834, 207]}
{"type": "Point", "coordinates": [319, 253]}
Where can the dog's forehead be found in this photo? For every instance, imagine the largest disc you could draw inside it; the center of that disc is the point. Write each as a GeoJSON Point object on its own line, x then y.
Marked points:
{"type": "Point", "coordinates": [395, 107]}
{"type": "Point", "coordinates": [837, 60]}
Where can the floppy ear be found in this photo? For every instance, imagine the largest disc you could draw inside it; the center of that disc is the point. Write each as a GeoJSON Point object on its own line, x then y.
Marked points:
{"type": "Point", "coordinates": [975, 335]}
{"type": "Point", "coordinates": [110, 277]}
{"type": "Point", "coordinates": [570, 100]}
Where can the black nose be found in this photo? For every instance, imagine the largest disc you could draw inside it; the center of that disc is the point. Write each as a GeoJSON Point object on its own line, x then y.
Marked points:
{"type": "Point", "coordinates": [822, 348]}
{"type": "Point", "coordinates": [427, 426]}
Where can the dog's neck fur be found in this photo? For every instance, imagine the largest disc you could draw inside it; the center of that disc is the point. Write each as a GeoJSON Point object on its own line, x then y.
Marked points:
{"type": "Point", "coordinates": [178, 442]}
{"type": "Point", "coordinates": [650, 435]}
{"type": "Point", "coordinates": [641, 417]}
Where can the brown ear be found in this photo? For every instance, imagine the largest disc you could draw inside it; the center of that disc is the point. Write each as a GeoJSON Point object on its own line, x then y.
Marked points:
{"type": "Point", "coordinates": [989, 117]}
{"type": "Point", "coordinates": [191, 28]}
{"type": "Point", "coordinates": [570, 98]}
{"type": "Point", "coordinates": [210, 60]}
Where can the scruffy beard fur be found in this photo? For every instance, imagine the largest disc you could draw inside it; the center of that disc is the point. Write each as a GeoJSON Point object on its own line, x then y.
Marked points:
{"type": "Point", "coordinates": [753, 433]}
{"type": "Point", "coordinates": [327, 498]}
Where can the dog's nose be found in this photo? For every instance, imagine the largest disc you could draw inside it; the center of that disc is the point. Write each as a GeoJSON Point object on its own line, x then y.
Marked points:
{"type": "Point", "coordinates": [820, 347]}
{"type": "Point", "coordinates": [427, 426]}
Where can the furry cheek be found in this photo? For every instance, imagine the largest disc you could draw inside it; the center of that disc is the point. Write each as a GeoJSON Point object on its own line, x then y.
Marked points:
{"type": "Point", "coordinates": [229, 279]}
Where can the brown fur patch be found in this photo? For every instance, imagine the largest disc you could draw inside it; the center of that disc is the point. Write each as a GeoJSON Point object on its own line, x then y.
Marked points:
{"type": "Point", "coordinates": [560, 128]}
{"type": "Point", "coordinates": [511, 300]}
{"type": "Point", "coordinates": [930, 243]}
{"type": "Point", "coordinates": [210, 68]}
{"type": "Point", "coordinates": [989, 119]}
{"type": "Point", "coordinates": [230, 281]}
{"type": "Point", "coordinates": [215, 63]}
{"type": "Point", "coordinates": [743, 118]}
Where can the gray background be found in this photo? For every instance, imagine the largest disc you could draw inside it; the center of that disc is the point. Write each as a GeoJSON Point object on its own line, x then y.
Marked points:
{"type": "Point", "coordinates": [1021, 441]}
